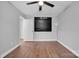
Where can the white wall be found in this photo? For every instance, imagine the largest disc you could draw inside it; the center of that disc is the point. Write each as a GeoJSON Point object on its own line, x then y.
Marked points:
{"type": "Point", "coordinates": [32, 11]}
{"type": "Point", "coordinates": [40, 36]}
{"type": "Point", "coordinates": [47, 36]}
{"type": "Point", "coordinates": [27, 29]}
{"type": "Point", "coordinates": [9, 27]}
{"type": "Point", "coordinates": [68, 27]}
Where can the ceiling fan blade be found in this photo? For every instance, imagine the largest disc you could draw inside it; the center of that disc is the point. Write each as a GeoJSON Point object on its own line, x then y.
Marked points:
{"type": "Point", "coordinates": [49, 4]}
{"type": "Point", "coordinates": [40, 8]}
{"type": "Point", "coordinates": [32, 2]}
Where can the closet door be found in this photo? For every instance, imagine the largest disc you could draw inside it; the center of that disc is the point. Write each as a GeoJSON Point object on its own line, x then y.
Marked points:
{"type": "Point", "coordinates": [28, 28]}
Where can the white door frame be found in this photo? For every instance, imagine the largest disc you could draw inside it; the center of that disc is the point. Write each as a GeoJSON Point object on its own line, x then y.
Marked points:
{"type": "Point", "coordinates": [29, 28]}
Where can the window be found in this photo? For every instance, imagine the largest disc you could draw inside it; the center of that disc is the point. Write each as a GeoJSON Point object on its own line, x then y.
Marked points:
{"type": "Point", "coordinates": [42, 24]}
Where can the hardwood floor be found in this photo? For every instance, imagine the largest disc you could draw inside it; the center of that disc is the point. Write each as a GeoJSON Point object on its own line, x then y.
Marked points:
{"type": "Point", "coordinates": [41, 50]}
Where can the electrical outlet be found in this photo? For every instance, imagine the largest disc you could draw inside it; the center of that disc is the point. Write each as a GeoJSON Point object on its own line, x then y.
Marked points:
{"type": "Point", "coordinates": [78, 50]}
{"type": "Point", "coordinates": [11, 43]}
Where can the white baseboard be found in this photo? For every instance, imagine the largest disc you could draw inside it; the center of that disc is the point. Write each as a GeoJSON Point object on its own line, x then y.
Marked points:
{"type": "Point", "coordinates": [9, 51]}
{"type": "Point", "coordinates": [42, 40]}
{"type": "Point", "coordinates": [74, 52]}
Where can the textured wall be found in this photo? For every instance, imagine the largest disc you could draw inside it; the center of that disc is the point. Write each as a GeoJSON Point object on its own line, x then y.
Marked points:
{"type": "Point", "coordinates": [68, 26]}
{"type": "Point", "coordinates": [9, 27]}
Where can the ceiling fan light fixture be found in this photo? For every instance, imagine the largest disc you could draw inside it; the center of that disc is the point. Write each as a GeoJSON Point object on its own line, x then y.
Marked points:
{"type": "Point", "coordinates": [40, 2]}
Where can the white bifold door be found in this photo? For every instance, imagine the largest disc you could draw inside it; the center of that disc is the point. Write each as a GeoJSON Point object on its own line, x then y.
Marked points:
{"type": "Point", "coordinates": [28, 28]}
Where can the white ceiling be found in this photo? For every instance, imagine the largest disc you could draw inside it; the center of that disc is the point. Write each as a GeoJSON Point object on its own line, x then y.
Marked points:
{"type": "Point", "coordinates": [33, 10]}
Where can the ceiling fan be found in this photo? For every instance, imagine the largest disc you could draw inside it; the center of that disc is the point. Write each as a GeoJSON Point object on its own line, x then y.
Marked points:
{"type": "Point", "coordinates": [40, 4]}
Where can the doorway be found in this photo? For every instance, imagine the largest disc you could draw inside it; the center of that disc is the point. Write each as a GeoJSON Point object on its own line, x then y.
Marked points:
{"type": "Point", "coordinates": [27, 30]}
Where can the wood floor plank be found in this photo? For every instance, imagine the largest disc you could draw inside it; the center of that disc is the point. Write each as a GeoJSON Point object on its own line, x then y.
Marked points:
{"type": "Point", "coordinates": [41, 49]}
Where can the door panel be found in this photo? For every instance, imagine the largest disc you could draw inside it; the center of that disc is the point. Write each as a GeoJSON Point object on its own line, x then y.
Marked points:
{"type": "Point", "coordinates": [28, 30]}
